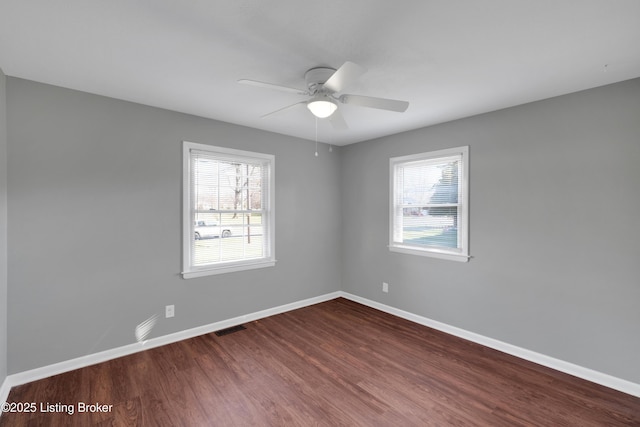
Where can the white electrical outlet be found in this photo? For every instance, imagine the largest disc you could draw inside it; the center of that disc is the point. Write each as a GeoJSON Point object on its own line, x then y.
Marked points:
{"type": "Point", "coordinates": [385, 287]}
{"type": "Point", "coordinates": [169, 311]}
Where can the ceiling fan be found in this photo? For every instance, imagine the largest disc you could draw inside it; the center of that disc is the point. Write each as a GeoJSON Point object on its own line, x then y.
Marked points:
{"type": "Point", "coordinates": [323, 86]}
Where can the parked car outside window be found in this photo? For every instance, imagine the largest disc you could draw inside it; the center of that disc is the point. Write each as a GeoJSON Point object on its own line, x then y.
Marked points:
{"type": "Point", "coordinates": [209, 230]}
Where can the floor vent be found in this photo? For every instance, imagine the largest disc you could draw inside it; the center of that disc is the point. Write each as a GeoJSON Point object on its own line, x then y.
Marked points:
{"type": "Point", "coordinates": [230, 330]}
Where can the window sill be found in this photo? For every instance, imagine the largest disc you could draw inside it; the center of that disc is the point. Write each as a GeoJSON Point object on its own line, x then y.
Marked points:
{"type": "Point", "coordinates": [231, 268]}
{"type": "Point", "coordinates": [430, 253]}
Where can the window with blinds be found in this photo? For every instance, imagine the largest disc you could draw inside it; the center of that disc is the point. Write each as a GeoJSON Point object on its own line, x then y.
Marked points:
{"type": "Point", "coordinates": [429, 204]}
{"type": "Point", "coordinates": [227, 213]}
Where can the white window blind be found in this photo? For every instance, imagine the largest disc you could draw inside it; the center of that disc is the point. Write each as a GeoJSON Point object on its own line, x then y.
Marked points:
{"type": "Point", "coordinates": [429, 208]}
{"type": "Point", "coordinates": [228, 210]}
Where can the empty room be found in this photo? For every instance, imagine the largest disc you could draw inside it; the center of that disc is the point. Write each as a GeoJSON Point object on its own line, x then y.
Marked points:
{"type": "Point", "coordinates": [233, 213]}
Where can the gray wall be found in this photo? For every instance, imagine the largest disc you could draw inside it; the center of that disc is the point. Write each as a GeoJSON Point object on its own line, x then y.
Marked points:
{"type": "Point", "coordinates": [554, 228]}
{"type": "Point", "coordinates": [95, 224]}
{"type": "Point", "coordinates": [3, 227]}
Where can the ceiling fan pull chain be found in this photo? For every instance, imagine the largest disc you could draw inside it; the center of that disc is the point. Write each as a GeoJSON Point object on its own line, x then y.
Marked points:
{"type": "Point", "coordinates": [316, 137]}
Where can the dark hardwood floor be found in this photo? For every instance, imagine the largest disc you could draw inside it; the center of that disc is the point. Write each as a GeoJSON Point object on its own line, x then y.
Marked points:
{"type": "Point", "coordinates": [336, 363]}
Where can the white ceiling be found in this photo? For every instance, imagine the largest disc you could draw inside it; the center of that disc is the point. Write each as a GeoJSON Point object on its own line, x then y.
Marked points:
{"type": "Point", "coordinates": [448, 58]}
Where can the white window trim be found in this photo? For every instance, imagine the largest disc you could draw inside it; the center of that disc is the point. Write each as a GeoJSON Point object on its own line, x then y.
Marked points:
{"type": "Point", "coordinates": [189, 271]}
{"type": "Point", "coordinates": [461, 254]}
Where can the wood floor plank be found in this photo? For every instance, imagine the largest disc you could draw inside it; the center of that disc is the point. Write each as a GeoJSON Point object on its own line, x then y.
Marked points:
{"type": "Point", "coordinates": [337, 363]}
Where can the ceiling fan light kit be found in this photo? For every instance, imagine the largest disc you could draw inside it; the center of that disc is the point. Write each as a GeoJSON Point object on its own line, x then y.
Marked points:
{"type": "Point", "coordinates": [323, 84]}
{"type": "Point", "coordinates": [322, 107]}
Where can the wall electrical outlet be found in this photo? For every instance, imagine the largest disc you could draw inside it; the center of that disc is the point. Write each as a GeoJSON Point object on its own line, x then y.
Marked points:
{"type": "Point", "coordinates": [169, 311]}
{"type": "Point", "coordinates": [385, 287]}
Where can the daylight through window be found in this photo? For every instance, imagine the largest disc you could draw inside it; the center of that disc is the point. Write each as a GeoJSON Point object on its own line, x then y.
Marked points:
{"type": "Point", "coordinates": [429, 204]}
{"type": "Point", "coordinates": [227, 210]}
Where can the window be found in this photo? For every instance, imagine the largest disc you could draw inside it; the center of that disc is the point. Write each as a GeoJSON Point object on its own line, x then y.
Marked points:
{"type": "Point", "coordinates": [228, 216]}
{"type": "Point", "coordinates": [429, 204]}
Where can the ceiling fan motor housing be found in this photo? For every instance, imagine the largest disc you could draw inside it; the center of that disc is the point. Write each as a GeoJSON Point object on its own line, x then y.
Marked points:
{"type": "Point", "coordinates": [316, 77]}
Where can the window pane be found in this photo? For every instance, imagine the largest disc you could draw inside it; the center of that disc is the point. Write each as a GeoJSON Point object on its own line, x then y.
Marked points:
{"type": "Point", "coordinates": [434, 182]}
{"type": "Point", "coordinates": [246, 240]}
{"type": "Point", "coordinates": [420, 227]}
{"type": "Point", "coordinates": [205, 183]}
{"type": "Point", "coordinates": [227, 237]}
{"type": "Point", "coordinates": [429, 196]}
{"type": "Point", "coordinates": [255, 188]}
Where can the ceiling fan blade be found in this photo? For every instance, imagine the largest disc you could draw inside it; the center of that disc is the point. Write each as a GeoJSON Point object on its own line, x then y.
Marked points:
{"type": "Point", "coordinates": [272, 86]}
{"type": "Point", "coordinates": [372, 102]}
{"type": "Point", "coordinates": [344, 76]}
{"type": "Point", "coordinates": [283, 108]}
{"type": "Point", "coordinates": [337, 120]}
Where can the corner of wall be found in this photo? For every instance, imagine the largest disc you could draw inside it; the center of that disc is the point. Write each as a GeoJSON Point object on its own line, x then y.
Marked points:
{"type": "Point", "coordinates": [3, 228]}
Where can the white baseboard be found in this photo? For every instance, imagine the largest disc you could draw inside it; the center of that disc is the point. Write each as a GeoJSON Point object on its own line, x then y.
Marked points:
{"type": "Point", "coordinates": [4, 391]}
{"type": "Point", "coordinates": [81, 362]}
{"type": "Point", "coordinates": [103, 356]}
{"type": "Point", "coordinates": [532, 356]}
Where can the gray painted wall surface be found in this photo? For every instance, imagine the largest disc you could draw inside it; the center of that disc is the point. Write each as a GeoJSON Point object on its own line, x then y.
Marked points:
{"type": "Point", "coordinates": [554, 228]}
{"type": "Point", "coordinates": [95, 191]}
{"type": "Point", "coordinates": [3, 227]}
